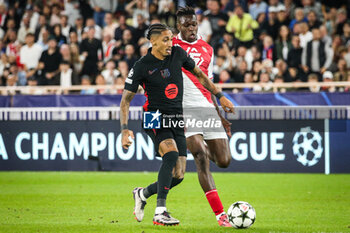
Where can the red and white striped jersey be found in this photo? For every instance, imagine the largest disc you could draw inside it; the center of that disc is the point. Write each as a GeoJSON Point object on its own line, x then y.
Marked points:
{"type": "Point", "coordinates": [195, 95]}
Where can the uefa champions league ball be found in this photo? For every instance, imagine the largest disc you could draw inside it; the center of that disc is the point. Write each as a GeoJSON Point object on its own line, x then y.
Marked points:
{"type": "Point", "coordinates": [241, 214]}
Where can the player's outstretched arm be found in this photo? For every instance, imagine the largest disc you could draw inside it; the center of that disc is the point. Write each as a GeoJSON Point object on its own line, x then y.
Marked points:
{"type": "Point", "coordinates": [124, 117]}
{"type": "Point", "coordinates": [205, 81]}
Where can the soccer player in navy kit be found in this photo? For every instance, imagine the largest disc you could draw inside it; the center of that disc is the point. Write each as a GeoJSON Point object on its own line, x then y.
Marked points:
{"type": "Point", "coordinates": [160, 74]}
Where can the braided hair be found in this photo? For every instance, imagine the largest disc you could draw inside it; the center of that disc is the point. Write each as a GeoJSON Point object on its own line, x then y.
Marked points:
{"type": "Point", "coordinates": [156, 28]}
{"type": "Point", "coordinates": [185, 11]}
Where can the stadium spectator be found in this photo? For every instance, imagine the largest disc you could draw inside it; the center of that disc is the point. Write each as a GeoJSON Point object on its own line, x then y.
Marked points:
{"type": "Point", "coordinates": [341, 19]}
{"type": "Point", "coordinates": [324, 36]}
{"type": "Point", "coordinates": [40, 27]}
{"type": "Point", "coordinates": [66, 76]}
{"type": "Point", "coordinates": [91, 49]}
{"type": "Point", "coordinates": [342, 73]}
{"type": "Point", "coordinates": [71, 9]}
{"type": "Point", "coordinates": [24, 29]}
{"type": "Point", "coordinates": [12, 43]}
{"type": "Point", "coordinates": [239, 71]}
{"type": "Point", "coordinates": [242, 25]}
{"type": "Point", "coordinates": [271, 23]}
{"type": "Point", "coordinates": [110, 25]}
{"type": "Point", "coordinates": [90, 23]}
{"type": "Point", "coordinates": [44, 41]}
{"type": "Point", "coordinates": [295, 53]}
{"type": "Point", "coordinates": [204, 28]}
{"type": "Point", "coordinates": [305, 35]}
{"type": "Point", "coordinates": [79, 28]}
{"type": "Point", "coordinates": [313, 21]}
{"type": "Point", "coordinates": [248, 78]}
{"type": "Point", "coordinates": [123, 69]}
{"type": "Point", "coordinates": [30, 55]}
{"type": "Point", "coordinates": [110, 74]}
{"type": "Point", "coordinates": [101, 8]}
{"type": "Point", "coordinates": [49, 62]}
{"type": "Point", "coordinates": [140, 29]}
{"type": "Point", "coordinates": [345, 36]}
{"type": "Point", "coordinates": [264, 79]}
{"type": "Point", "coordinates": [73, 38]}
{"type": "Point", "coordinates": [256, 8]}
{"type": "Point", "coordinates": [313, 78]}
{"type": "Point", "coordinates": [100, 80]}
{"type": "Point", "coordinates": [57, 33]}
{"type": "Point", "coordinates": [218, 21]}
{"type": "Point", "coordinates": [108, 44]}
{"type": "Point", "coordinates": [166, 11]}
{"type": "Point", "coordinates": [316, 57]}
{"type": "Point", "coordinates": [257, 67]}
{"type": "Point", "coordinates": [76, 60]}
{"type": "Point", "coordinates": [283, 44]}
{"type": "Point", "coordinates": [55, 15]}
{"type": "Point", "coordinates": [290, 8]}
{"type": "Point", "coordinates": [130, 56]}
{"type": "Point", "coordinates": [225, 77]}
{"type": "Point", "coordinates": [86, 81]}
{"type": "Point", "coordinates": [120, 81]}
{"type": "Point", "coordinates": [298, 18]}
{"type": "Point", "coordinates": [118, 34]}
{"type": "Point", "coordinates": [135, 8]}
{"type": "Point", "coordinates": [119, 50]}
{"type": "Point", "coordinates": [32, 82]}
{"type": "Point", "coordinates": [312, 5]}
{"type": "Point", "coordinates": [65, 27]}
{"type": "Point", "coordinates": [268, 51]}
{"type": "Point", "coordinates": [330, 20]}
{"type": "Point", "coordinates": [282, 17]}
{"type": "Point", "coordinates": [144, 50]}
{"type": "Point", "coordinates": [328, 78]}
{"type": "Point", "coordinates": [279, 79]}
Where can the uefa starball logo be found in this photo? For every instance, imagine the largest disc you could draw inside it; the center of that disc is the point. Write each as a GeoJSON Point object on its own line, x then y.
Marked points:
{"type": "Point", "coordinates": [307, 146]}
{"type": "Point", "coordinates": [151, 120]}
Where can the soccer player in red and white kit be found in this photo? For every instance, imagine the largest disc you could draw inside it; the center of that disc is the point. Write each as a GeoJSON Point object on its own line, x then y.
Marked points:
{"type": "Point", "coordinates": [205, 144]}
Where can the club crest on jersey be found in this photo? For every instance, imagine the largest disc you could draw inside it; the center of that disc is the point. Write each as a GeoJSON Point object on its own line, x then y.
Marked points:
{"type": "Point", "coordinates": [165, 73]}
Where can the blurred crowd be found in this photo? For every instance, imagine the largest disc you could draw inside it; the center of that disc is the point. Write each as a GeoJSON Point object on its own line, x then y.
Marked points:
{"type": "Point", "coordinates": [95, 42]}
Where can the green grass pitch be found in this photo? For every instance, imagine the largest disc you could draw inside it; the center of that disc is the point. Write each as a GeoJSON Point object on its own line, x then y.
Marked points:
{"type": "Point", "coordinates": [102, 202]}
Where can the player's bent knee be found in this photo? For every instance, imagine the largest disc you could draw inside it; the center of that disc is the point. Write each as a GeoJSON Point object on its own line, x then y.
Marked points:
{"type": "Point", "coordinates": [223, 161]}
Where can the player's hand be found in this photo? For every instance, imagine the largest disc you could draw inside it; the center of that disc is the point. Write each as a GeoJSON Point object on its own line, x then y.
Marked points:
{"type": "Point", "coordinates": [227, 105]}
{"type": "Point", "coordinates": [227, 126]}
{"type": "Point", "coordinates": [126, 134]}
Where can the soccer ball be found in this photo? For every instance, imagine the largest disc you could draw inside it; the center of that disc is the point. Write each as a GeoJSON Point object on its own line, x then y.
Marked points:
{"type": "Point", "coordinates": [241, 214]}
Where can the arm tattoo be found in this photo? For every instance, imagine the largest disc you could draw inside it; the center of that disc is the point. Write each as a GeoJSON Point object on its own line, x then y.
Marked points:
{"type": "Point", "coordinates": [124, 106]}
{"type": "Point", "coordinates": [204, 80]}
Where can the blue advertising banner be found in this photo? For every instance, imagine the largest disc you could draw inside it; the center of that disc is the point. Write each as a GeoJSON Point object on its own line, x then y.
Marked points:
{"type": "Point", "coordinates": [339, 146]}
{"type": "Point", "coordinates": [256, 146]}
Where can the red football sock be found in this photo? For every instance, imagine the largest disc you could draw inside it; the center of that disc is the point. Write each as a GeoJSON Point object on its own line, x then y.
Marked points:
{"type": "Point", "coordinates": [214, 201]}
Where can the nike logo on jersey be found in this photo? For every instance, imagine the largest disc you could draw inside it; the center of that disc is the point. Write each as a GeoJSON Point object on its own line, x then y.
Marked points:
{"type": "Point", "coordinates": [150, 72]}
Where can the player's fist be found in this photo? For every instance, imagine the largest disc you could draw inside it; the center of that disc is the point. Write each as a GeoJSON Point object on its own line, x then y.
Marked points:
{"type": "Point", "coordinates": [227, 105]}
{"type": "Point", "coordinates": [127, 135]}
